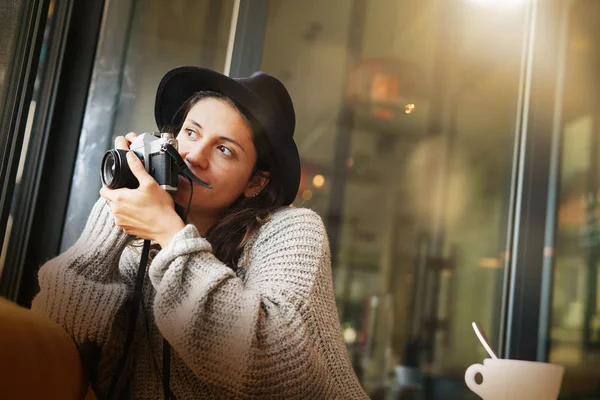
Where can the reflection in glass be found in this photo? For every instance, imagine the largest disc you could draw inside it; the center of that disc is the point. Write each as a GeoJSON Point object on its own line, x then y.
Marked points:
{"type": "Point", "coordinates": [407, 109]}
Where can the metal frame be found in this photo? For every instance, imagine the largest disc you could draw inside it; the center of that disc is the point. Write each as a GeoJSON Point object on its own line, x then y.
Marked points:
{"type": "Point", "coordinates": [19, 91]}
{"type": "Point", "coordinates": [528, 273]}
{"type": "Point", "coordinates": [58, 151]}
{"type": "Point", "coordinates": [246, 37]}
{"type": "Point", "coordinates": [25, 195]}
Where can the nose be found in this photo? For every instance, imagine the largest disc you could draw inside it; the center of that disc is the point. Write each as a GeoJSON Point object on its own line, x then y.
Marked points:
{"type": "Point", "coordinates": [198, 156]}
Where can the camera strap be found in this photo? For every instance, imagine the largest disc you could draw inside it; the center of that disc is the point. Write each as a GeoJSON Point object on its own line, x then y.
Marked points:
{"type": "Point", "coordinates": [166, 369]}
{"type": "Point", "coordinates": [183, 214]}
{"type": "Point", "coordinates": [135, 307]}
{"type": "Point", "coordinates": [182, 166]}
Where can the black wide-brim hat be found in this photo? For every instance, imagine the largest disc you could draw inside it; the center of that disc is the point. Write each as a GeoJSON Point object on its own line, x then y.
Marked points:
{"type": "Point", "coordinates": [261, 94]}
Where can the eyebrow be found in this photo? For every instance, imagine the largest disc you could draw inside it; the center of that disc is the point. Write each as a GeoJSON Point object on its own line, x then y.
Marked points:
{"type": "Point", "coordinates": [224, 138]}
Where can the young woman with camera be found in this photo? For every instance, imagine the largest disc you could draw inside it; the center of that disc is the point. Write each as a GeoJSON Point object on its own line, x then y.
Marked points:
{"type": "Point", "coordinates": [241, 291]}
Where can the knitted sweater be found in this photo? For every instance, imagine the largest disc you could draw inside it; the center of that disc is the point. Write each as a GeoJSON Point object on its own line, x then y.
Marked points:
{"type": "Point", "coordinates": [270, 331]}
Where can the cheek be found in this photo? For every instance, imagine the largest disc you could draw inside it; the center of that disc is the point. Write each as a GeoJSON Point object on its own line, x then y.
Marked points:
{"type": "Point", "coordinates": [233, 180]}
{"type": "Point", "coordinates": [182, 146]}
{"type": "Point", "coordinates": [236, 178]}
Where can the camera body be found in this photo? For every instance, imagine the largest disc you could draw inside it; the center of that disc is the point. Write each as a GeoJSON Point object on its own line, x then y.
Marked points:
{"type": "Point", "coordinates": [149, 148]}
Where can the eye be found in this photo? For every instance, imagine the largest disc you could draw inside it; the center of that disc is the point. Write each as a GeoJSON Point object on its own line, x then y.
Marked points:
{"type": "Point", "coordinates": [190, 133]}
{"type": "Point", "coordinates": [225, 150]}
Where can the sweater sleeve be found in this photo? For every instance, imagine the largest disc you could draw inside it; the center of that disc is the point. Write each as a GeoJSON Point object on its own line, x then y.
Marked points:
{"type": "Point", "coordinates": [237, 335]}
{"type": "Point", "coordinates": [82, 289]}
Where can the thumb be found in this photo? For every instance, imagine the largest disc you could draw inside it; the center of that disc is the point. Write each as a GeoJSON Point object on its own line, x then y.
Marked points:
{"type": "Point", "coordinates": [137, 168]}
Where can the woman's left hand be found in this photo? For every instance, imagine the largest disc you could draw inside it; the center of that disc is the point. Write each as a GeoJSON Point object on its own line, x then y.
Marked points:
{"type": "Point", "coordinates": [147, 212]}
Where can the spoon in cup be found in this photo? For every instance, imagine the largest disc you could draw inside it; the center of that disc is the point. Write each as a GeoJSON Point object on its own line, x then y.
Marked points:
{"type": "Point", "coordinates": [483, 340]}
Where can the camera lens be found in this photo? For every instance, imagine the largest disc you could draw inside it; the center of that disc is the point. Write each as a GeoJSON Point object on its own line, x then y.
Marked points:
{"type": "Point", "coordinates": [109, 169]}
{"type": "Point", "coordinates": [115, 172]}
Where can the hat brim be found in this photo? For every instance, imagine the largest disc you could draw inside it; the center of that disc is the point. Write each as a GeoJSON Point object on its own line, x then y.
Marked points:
{"type": "Point", "coordinates": [179, 84]}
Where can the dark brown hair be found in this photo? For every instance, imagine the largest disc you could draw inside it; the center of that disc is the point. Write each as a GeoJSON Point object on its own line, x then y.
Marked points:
{"type": "Point", "coordinates": [244, 217]}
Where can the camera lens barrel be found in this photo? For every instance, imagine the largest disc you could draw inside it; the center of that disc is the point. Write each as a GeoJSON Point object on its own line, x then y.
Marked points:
{"type": "Point", "coordinates": [115, 172]}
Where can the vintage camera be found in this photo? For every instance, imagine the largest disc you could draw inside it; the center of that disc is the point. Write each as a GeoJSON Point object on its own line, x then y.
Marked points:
{"type": "Point", "coordinates": [151, 150]}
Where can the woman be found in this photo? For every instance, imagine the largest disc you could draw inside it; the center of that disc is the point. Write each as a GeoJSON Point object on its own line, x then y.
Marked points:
{"type": "Point", "coordinates": [242, 292]}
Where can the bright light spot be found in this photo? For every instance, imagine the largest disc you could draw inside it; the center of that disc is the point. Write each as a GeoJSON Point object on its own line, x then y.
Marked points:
{"type": "Point", "coordinates": [490, 262]}
{"type": "Point", "coordinates": [349, 335]}
{"type": "Point", "coordinates": [409, 108]}
{"type": "Point", "coordinates": [318, 181]}
{"type": "Point", "coordinates": [498, 2]}
{"type": "Point", "coordinates": [307, 194]}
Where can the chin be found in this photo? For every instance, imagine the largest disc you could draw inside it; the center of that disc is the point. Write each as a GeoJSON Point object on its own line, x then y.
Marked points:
{"type": "Point", "coordinates": [177, 198]}
{"type": "Point", "coordinates": [182, 196]}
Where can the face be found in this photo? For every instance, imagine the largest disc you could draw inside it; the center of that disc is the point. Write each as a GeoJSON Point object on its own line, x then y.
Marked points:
{"type": "Point", "coordinates": [216, 143]}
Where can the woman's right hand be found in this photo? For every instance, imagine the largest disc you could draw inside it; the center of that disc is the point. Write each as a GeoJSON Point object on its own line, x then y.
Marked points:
{"type": "Point", "coordinates": [123, 142]}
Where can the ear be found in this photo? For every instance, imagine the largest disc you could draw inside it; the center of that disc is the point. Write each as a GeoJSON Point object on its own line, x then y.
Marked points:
{"type": "Point", "coordinates": [257, 183]}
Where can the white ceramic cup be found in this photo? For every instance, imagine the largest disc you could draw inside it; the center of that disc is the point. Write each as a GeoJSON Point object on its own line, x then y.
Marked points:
{"type": "Point", "coordinates": [515, 380]}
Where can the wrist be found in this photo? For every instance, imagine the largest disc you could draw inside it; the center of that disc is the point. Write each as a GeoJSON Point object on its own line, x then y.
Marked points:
{"type": "Point", "coordinates": [170, 229]}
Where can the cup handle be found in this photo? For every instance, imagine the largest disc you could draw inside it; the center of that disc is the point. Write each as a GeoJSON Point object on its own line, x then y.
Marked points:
{"type": "Point", "coordinates": [470, 377]}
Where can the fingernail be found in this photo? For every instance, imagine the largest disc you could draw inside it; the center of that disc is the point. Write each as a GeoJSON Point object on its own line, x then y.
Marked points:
{"type": "Point", "coordinates": [130, 156]}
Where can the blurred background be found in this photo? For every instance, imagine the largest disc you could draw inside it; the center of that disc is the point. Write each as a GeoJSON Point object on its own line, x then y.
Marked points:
{"type": "Point", "coordinates": [451, 146]}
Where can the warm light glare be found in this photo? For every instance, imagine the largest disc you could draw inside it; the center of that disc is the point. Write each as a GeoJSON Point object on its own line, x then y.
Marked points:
{"type": "Point", "coordinates": [409, 108]}
{"type": "Point", "coordinates": [489, 262]}
{"type": "Point", "coordinates": [318, 181]}
{"type": "Point", "coordinates": [498, 2]}
{"type": "Point", "coordinates": [307, 195]}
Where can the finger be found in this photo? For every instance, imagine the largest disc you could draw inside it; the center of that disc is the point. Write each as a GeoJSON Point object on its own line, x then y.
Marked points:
{"type": "Point", "coordinates": [122, 143]}
{"type": "Point", "coordinates": [136, 166]}
{"type": "Point", "coordinates": [108, 194]}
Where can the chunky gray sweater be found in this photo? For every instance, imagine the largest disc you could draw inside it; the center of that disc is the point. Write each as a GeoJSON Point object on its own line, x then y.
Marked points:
{"type": "Point", "coordinates": [271, 331]}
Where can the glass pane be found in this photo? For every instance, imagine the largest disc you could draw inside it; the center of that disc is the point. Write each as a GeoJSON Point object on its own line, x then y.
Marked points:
{"type": "Point", "coordinates": [575, 329]}
{"type": "Point", "coordinates": [406, 113]}
{"type": "Point", "coordinates": [156, 44]}
{"type": "Point", "coordinates": [140, 41]}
